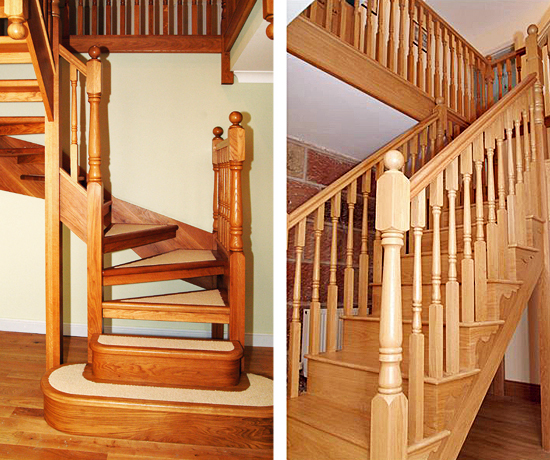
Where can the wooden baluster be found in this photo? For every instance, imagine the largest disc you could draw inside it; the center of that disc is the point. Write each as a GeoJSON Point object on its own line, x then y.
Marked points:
{"type": "Point", "coordinates": [467, 264]}
{"type": "Point", "coordinates": [217, 131]}
{"type": "Point", "coordinates": [423, 148]}
{"type": "Point", "coordinates": [137, 17]}
{"type": "Point", "coordinates": [483, 84]}
{"type": "Point", "coordinates": [467, 82]}
{"type": "Point", "coordinates": [436, 308]}
{"type": "Point", "coordinates": [364, 255]}
{"type": "Point", "coordinates": [452, 307]}
{"type": "Point", "coordinates": [479, 90]}
{"type": "Point", "coordinates": [389, 439]}
{"type": "Point", "coordinates": [429, 54]}
{"type": "Point", "coordinates": [500, 77]}
{"type": "Point", "coordinates": [445, 82]}
{"type": "Point", "coordinates": [95, 201]}
{"type": "Point", "coordinates": [357, 24]}
{"type": "Point", "coordinates": [518, 69]}
{"type": "Point", "coordinates": [179, 15]}
{"type": "Point", "coordinates": [502, 213]}
{"type": "Point", "coordinates": [410, 57]}
{"type": "Point", "coordinates": [209, 17]}
{"type": "Point", "coordinates": [380, 35]}
{"type": "Point", "coordinates": [492, 229]}
{"type": "Point", "coordinates": [94, 30]}
{"type": "Point", "coordinates": [433, 141]}
{"type": "Point", "coordinates": [80, 12]}
{"type": "Point", "coordinates": [520, 186]}
{"type": "Point", "coordinates": [452, 88]}
{"type": "Point", "coordinates": [295, 325]}
{"type": "Point", "coordinates": [377, 244]}
{"type": "Point", "coordinates": [332, 296]}
{"type": "Point", "coordinates": [165, 22]}
{"type": "Point", "coordinates": [315, 307]}
{"type": "Point", "coordinates": [349, 272]}
{"type": "Point", "coordinates": [508, 75]}
{"type": "Point", "coordinates": [420, 70]}
{"type": "Point", "coordinates": [527, 153]}
{"type": "Point", "coordinates": [416, 339]}
{"type": "Point", "coordinates": [390, 61]}
{"type": "Point", "coordinates": [369, 40]}
{"type": "Point", "coordinates": [363, 14]}
{"type": "Point", "coordinates": [74, 124]}
{"type": "Point", "coordinates": [473, 108]}
{"type": "Point", "coordinates": [401, 66]}
{"type": "Point", "coordinates": [122, 30]}
{"type": "Point", "coordinates": [151, 17]}
{"type": "Point", "coordinates": [490, 78]}
{"type": "Point", "coordinates": [328, 15]}
{"type": "Point", "coordinates": [343, 17]}
{"type": "Point", "coordinates": [480, 247]}
{"type": "Point", "coordinates": [437, 73]}
{"type": "Point", "coordinates": [108, 18]}
{"type": "Point", "coordinates": [459, 100]}
{"type": "Point", "coordinates": [537, 205]}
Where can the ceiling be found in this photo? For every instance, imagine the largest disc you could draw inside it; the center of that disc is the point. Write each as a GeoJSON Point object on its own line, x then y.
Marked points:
{"type": "Point", "coordinates": [327, 113]}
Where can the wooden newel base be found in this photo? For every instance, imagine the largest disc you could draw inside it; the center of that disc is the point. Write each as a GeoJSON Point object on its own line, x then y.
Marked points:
{"type": "Point", "coordinates": [388, 434]}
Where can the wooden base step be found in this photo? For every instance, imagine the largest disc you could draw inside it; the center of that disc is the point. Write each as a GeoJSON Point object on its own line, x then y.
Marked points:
{"type": "Point", "coordinates": [318, 428]}
{"type": "Point", "coordinates": [127, 236]}
{"type": "Point", "coordinates": [14, 51]}
{"type": "Point", "coordinates": [176, 362]}
{"type": "Point", "coordinates": [178, 264]}
{"type": "Point", "coordinates": [21, 125]}
{"type": "Point", "coordinates": [19, 91]}
{"type": "Point", "coordinates": [202, 417]}
{"type": "Point", "coordinates": [209, 306]}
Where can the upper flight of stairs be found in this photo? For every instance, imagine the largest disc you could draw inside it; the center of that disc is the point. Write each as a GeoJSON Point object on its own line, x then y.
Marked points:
{"type": "Point", "coordinates": [139, 387]}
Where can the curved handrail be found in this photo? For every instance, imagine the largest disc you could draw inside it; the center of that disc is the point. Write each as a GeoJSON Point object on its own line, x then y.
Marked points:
{"type": "Point", "coordinates": [421, 179]}
{"type": "Point", "coordinates": [340, 184]}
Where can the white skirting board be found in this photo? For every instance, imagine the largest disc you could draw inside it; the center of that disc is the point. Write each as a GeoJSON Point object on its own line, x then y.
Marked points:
{"type": "Point", "coordinates": [80, 330]}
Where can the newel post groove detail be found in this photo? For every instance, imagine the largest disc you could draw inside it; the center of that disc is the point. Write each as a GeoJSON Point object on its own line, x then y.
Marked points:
{"type": "Point", "coordinates": [390, 406]}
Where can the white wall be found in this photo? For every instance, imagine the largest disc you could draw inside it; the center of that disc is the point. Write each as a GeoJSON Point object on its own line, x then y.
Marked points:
{"type": "Point", "coordinates": [161, 110]}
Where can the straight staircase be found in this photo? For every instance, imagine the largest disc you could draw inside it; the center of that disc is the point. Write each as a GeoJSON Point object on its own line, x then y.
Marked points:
{"type": "Point", "coordinates": [135, 387]}
{"type": "Point", "coordinates": [460, 246]}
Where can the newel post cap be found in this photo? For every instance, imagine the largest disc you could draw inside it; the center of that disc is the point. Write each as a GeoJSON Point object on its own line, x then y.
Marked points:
{"type": "Point", "coordinates": [393, 191]}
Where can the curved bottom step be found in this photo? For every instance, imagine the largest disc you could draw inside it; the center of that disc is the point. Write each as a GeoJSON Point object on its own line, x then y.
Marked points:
{"type": "Point", "coordinates": [75, 405]}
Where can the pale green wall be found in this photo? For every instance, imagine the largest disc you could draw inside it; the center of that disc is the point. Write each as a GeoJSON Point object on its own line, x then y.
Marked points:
{"type": "Point", "coordinates": [161, 109]}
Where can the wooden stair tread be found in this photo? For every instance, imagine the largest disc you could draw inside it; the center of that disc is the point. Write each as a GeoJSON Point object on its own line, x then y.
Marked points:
{"type": "Point", "coordinates": [356, 360]}
{"type": "Point", "coordinates": [125, 236]}
{"type": "Point", "coordinates": [13, 51]}
{"type": "Point", "coordinates": [20, 91]}
{"type": "Point", "coordinates": [21, 125]}
{"type": "Point", "coordinates": [348, 424]}
{"type": "Point", "coordinates": [206, 298]}
{"type": "Point", "coordinates": [179, 256]}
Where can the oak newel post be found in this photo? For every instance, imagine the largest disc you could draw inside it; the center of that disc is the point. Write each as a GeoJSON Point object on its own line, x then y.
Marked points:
{"type": "Point", "coordinates": [389, 407]}
{"type": "Point", "coordinates": [237, 260]}
{"type": "Point", "coordinates": [95, 200]}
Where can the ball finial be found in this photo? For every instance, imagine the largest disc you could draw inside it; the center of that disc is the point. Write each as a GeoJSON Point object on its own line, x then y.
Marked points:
{"type": "Point", "coordinates": [394, 160]}
{"type": "Point", "coordinates": [533, 29]}
{"type": "Point", "coordinates": [94, 52]}
{"type": "Point", "coordinates": [17, 31]}
{"type": "Point", "coordinates": [269, 31]}
{"type": "Point", "coordinates": [235, 117]}
{"type": "Point", "coordinates": [217, 131]}
{"type": "Point", "coordinates": [440, 100]}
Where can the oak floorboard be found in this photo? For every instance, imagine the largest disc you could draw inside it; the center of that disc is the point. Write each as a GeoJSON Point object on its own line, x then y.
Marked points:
{"type": "Point", "coordinates": [25, 435]}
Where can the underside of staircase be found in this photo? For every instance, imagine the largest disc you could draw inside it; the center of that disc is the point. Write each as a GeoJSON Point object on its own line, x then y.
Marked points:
{"type": "Point", "coordinates": [134, 387]}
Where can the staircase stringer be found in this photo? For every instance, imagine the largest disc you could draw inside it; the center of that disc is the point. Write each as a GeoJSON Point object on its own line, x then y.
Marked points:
{"type": "Point", "coordinates": [514, 306]}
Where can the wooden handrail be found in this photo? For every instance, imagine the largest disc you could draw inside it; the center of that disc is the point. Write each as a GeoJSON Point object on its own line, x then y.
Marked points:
{"type": "Point", "coordinates": [512, 54]}
{"type": "Point", "coordinates": [72, 59]}
{"type": "Point", "coordinates": [437, 165]}
{"type": "Point", "coordinates": [340, 184]}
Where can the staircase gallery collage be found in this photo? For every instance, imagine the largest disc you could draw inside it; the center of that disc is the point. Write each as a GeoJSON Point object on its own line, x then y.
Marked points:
{"type": "Point", "coordinates": [417, 226]}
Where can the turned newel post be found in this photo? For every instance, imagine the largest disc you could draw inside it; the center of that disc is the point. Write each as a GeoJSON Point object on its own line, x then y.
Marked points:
{"type": "Point", "coordinates": [95, 201]}
{"type": "Point", "coordinates": [93, 88]}
{"type": "Point", "coordinates": [218, 132]}
{"type": "Point", "coordinates": [533, 53]}
{"type": "Point", "coordinates": [389, 407]}
{"type": "Point", "coordinates": [16, 11]}
{"type": "Point", "coordinates": [237, 261]}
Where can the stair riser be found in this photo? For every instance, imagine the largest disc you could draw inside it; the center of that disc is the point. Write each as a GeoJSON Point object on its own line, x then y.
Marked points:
{"type": "Point", "coordinates": [305, 442]}
{"type": "Point", "coordinates": [355, 388]}
{"type": "Point", "coordinates": [363, 337]}
{"type": "Point", "coordinates": [427, 240]}
{"type": "Point", "coordinates": [407, 265]}
{"type": "Point", "coordinates": [113, 279]}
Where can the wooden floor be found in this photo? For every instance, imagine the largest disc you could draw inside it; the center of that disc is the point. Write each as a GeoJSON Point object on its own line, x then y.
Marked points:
{"type": "Point", "coordinates": [24, 435]}
{"type": "Point", "coordinates": [505, 429]}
